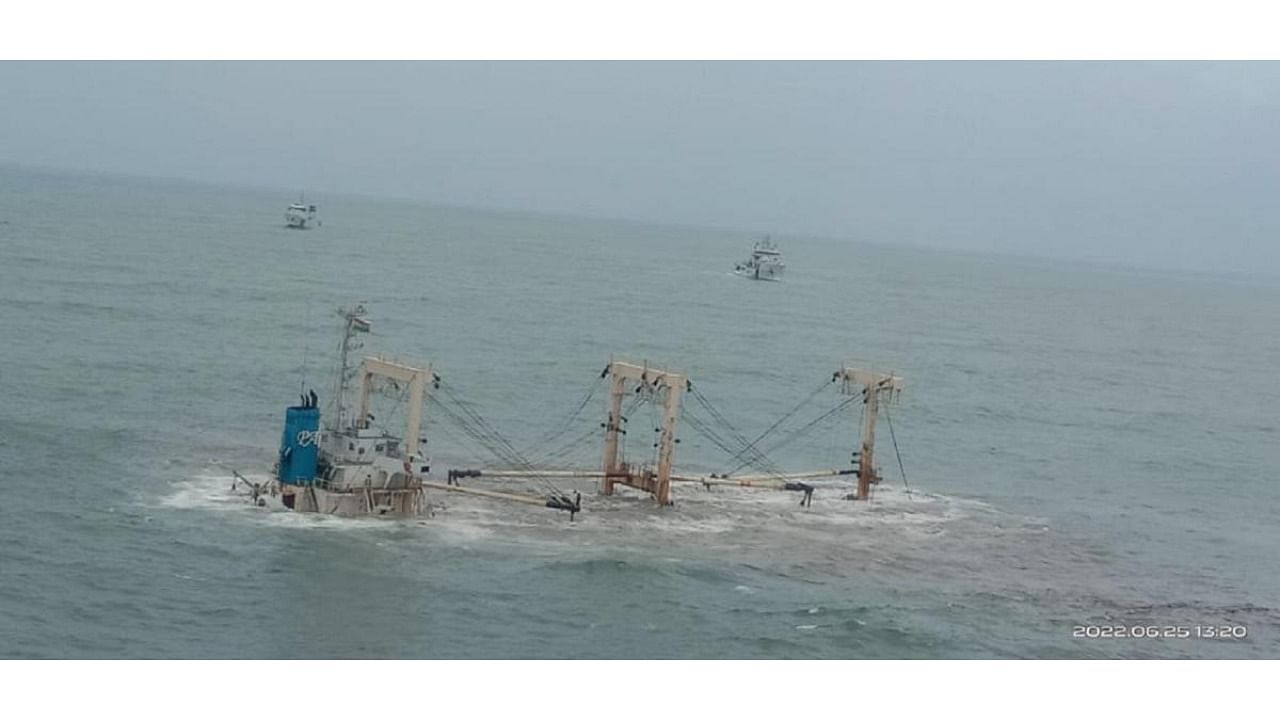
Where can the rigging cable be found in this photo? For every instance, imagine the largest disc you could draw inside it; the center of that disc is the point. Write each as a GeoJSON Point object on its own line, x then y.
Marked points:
{"type": "Point", "coordinates": [758, 458]}
{"type": "Point", "coordinates": [482, 424]}
{"type": "Point", "coordinates": [889, 422]}
{"type": "Point", "coordinates": [784, 418]}
{"type": "Point", "coordinates": [563, 427]}
{"type": "Point", "coordinates": [557, 453]}
{"type": "Point", "coordinates": [398, 402]}
{"type": "Point", "coordinates": [641, 396]}
{"type": "Point", "coordinates": [705, 429]}
{"type": "Point", "coordinates": [501, 447]}
{"type": "Point", "coordinates": [565, 449]}
{"type": "Point", "coordinates": [796, 433]}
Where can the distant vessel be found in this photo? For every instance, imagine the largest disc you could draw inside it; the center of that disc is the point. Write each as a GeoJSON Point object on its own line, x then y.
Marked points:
{"type": "Point", "coordinates": [300, 216]}
{"type": "Point", "coordinates": [765, 262]}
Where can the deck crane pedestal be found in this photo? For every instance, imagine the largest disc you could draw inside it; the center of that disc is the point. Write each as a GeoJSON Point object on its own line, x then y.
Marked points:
{"type": "Point", "coordinates": [871, 385]}
{"type": "Point", "coordinates": [671, 387]}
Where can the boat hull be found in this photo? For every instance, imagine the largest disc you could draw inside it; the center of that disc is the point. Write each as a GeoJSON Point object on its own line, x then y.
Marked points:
{"type": "Point", "coordinates": [764, 272]}
{"type": "Point", "coordinates": [300, 217]}
{"type": "Point", "coordinates": [404, 502]}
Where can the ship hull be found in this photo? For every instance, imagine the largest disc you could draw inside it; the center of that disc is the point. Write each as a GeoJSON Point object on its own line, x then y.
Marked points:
{"type": "Point", "coordinates": [407, 502]}
{"type": "Point", "coordinates": [764, 272]}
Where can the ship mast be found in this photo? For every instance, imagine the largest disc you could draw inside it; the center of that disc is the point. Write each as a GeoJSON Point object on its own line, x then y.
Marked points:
{"type": "Point", "coordinates": [353, 322]}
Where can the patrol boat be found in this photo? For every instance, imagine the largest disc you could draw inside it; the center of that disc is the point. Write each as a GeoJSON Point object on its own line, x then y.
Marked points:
{"type": "Point", "coordinates": [300, 215]}
{"type": "Point", "coordinates": [765, 262]}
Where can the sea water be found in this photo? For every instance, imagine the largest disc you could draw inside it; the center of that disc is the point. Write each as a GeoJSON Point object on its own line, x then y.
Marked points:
{"type": "Point", "coordinates": [1081, 446]}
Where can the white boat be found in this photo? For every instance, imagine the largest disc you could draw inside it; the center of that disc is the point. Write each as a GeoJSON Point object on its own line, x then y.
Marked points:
{"type": "Point", "coordinates": [765, 262]}
{"type": "Point", "coordinates": [300, 216]}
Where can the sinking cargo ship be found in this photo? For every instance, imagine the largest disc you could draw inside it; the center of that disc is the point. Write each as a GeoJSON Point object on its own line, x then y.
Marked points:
{"type": "Point", "coordinates": [339, 463]}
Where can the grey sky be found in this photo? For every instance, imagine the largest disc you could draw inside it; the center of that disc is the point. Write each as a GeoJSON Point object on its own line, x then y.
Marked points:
{"type": "Point", "coordinates": [1163, 164]}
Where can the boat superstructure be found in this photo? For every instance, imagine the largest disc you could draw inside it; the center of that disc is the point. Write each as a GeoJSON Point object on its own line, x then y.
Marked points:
{"type": "Point", "coordinates": [300, 216]}
{"type": "Point", "coordinates": [344, 463]}
{"type": "Point", "coordinates": [348, 467]}
{"type": "Point", "coordinates": [765, 262]}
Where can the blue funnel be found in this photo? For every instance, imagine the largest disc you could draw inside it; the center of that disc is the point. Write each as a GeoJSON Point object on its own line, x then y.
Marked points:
{"type": "Point", "coordinates": [298, 445]}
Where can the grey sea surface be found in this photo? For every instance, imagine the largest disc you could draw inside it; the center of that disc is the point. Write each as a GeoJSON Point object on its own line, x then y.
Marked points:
{"type": "Point", "coordinates": [1082, 445]}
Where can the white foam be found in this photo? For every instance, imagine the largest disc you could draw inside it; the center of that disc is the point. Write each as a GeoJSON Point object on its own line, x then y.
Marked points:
{"type": "Point", "coordinates": [212, 491]}
{"type": "Point", "coordinates": [207, 491]}
{"type": "Point", "coordinates": [723, 522]}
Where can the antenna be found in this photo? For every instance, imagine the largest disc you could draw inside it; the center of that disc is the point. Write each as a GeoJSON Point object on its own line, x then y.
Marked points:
{"type": "Point", "coordinates": [306, 348]}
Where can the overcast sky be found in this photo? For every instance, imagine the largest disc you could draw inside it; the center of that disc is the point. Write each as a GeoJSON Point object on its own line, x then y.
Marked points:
{"type": "Point", "coordinates": [1163, 164]}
